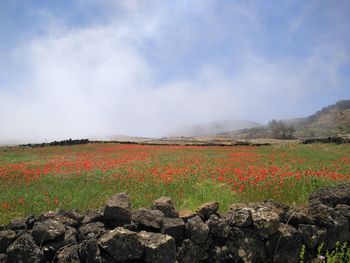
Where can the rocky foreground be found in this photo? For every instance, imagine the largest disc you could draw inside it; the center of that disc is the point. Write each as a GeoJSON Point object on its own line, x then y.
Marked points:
{"type": "Point", "coordinates": [257, 232]}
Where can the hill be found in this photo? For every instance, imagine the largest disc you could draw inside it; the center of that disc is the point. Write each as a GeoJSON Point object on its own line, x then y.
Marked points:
{"type": "Point", "coordinates": [212, 128]}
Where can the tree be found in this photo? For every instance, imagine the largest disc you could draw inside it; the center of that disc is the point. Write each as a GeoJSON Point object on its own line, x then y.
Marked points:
{"type": "Point", "coordinates": [280, 130]}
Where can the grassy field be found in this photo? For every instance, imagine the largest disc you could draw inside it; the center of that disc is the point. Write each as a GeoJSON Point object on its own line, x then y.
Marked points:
{"type": "Point", "coordinates": [34, 180]}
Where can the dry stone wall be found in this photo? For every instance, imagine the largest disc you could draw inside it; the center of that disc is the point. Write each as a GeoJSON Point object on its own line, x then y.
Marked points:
{"type": "Point", "coordinates": [256, 232]}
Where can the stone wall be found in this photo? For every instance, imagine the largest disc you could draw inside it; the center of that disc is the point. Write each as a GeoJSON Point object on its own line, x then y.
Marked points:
{"type": "Point", "coordinates": [257, 232]}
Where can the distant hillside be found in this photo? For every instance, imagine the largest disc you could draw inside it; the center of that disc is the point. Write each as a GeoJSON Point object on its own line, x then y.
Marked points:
{"type": "Point", "coordinates": [333, 120]}
{"type": "Point", "coordinates": [213, 128]}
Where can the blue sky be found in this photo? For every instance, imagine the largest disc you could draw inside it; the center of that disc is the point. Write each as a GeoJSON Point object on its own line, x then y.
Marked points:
{"type": "Point", "coordinates": [98, 68]}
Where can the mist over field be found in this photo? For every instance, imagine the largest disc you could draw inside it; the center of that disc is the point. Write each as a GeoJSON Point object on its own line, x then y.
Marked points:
{"type": "Point", "coordinates": [97, 69]}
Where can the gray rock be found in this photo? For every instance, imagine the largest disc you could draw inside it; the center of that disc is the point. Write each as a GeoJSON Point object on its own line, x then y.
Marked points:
{"type": "Point", "coordinates": [89, 251]}
{"type": "Point", "coordinates": [265, 220]}
{"type": "Point", "coordinates": [335, 223]}
{"type": "Point", "coordinates": [68, 254]}
{"type": "Point", "coordinates": [3, 258]}
{"type": "Point", "coordinates": [174, 227]}
{"type": "Point", "coordinates": [332, 196]}
{"type": "Point", "coordinates": [51, 248]}
{"type": "Point", "coordinates": [343, 210]}
{"type": "Point", "coordinates": [219, 227]}
{"type": "Point", "coordinates": [159, 248]}
{"type": "Point", "coordinates": [185, 215]}
{"type": "Point", "coordinates": [6, 238]}
{"type": "Point", "coordinates": [190, 252]}
{"type": "Point", "coordinates": [309, 235]}
{"type": "Point", "coordinates": [75, 215]}
{"type": "Point", "coordinates": [148, 219]}
{"type": "Point", "coordinates": [197, 230]}
{"type": "Point", "coordinates": [121, 244]}
{"type": "Point", "coordinates": [95, 229]}
{"type": "Point", "coordinates": [92, 215]}
{"type": "Point", "coordinates": [48, 230]}
{"type": "Point", "coordinates": [24, 249]}
{"type": "Point", "coordinates": [239, 217]}
{"type": "Point", "coordinates": [208, 209]}
{"type": "Point", "coordinates": [296, 216]}
{"type": "Point", "coordinates": [285, 244]}
{"type": "Point", "coordinates": [165, 204]}
{"type": "Point", "coordinates": [222, 254]}
{"type": "Point", "coordinates": [118, 208]}
{"type": "Point", "coordinates": [16, 224]}
{"type": "Point", "coordinates": [245, 246]}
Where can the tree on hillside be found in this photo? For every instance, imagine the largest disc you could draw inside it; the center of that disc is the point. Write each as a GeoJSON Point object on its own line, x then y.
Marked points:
{"type": "Point", "coordinates": [280, 130]}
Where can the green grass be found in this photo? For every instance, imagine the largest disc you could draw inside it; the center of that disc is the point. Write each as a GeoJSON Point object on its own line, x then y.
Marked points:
{"type": "Point", "coordinates": [84, 176]}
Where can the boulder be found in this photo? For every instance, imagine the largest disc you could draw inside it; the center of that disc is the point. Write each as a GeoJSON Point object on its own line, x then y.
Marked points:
{"type": "Point", "coordinates": [89, 251]}
{"type": "Point", "coordinates": [309, 235]}
{"type": "Point", "coordinates": [335, 223]}
{"type": "Point", "coordinates": [159, 248]}
{"type": "Point", "coordinates": [6, 238]}
{"type": "Point", "coordinates": [91, 230]}
{"type": "Point", "coordinates": [24, 249]}
{"type": "Point", "coordinates": [295, 216]}
{"type": "Point", "coordinates": [332, 196]}
{"type": "Point", "coordinates": [51, 248]}
{"type": "Point", "coordinates": [3, 258]}
{"type": "Point", "coordinates": [165, 204]}
{"type": "Point", "coordinates": [121, 244]}
{"type": "Point", "coordinates": [190, 252]}
{"type": "Point", "coordinates": [48, 230]}
{"type": "Point", "coordinates": [118, 208]}
{"type": "Point", "coordinates": [186, 214]}
{"type": "Point", "coordinates": [16, 224]}
{"type": "Point", "coordinates": [174, 227]}
{"type": "Point", "coordinates": [244, 245]}
{"type": "Point", "coordinates": [92, 215]}
{"type": "Point", "coordinates": [208, 209]}
{"type": "Point", "coordinates": [148, 219]}
{"type": "Point", "coordinates": [265, 220]}
{"type": "Point", "coordinates": [285, 244]}
{"type": "Point", "coordinates": [197, 230]}
{"type": "Point", "coordinates": [219, 228]}
{"type": "Point", "coordinates": [343, 210]}
{"type": "Point", "coordinates": [241, 217]}
{"type": "Point", "coordinates": [68, 254]}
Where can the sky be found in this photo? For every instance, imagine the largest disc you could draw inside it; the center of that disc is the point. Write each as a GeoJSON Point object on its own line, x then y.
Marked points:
{"type": "Point", "coordinates": [97, 68]}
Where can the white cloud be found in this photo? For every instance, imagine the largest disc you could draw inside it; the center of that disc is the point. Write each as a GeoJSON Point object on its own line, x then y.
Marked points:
{"type": "Point", "coordinates": [95, 81]}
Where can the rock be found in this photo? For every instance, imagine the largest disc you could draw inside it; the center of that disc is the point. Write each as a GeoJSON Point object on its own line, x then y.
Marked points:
{"type": "Point", "coordinates": [24, 249]}
{"type": "Point", "coordinates": [121, 244]}
{"type": "Point", "coordinates": [265, 220]}
{"type": "Point", "coordinates": [190, 252]}
{"type": "Point", "coordinates": [93, 215]}
{"type": "Point", "coordinates": [222, 254]}
{"type": "Point", "coordinates": [309, 235]}
{"type": "Point", "coordinates": [186, 214]}
{"type": "Point", "coordinates": [244, 245]}
{"type": "Point", "coordinates": [219, 228]}
{"type": "Point", "coordinates": [51, 248]}
{"type": "Point", "coordinates": [174, 227]}
{"type": "Point", "coordinates": [208, 209]}
{"type": "Point", "coordinates": [239, 217]}
{"type": "Point", "coordinates": [68, 254]}
{"type": "Point", "coordinates": [118, 208]}
{"type": "Point", "coordinates": [30, 221]}
{"type": "Point", "coordinates": [148, 219]}
{"type": "Point", "coordinates": [3, 258]}
{"type": "Point", "coordinates": [165, 204]}
{"type": "Point", "coordinates": [332, 196]}
{"type": "Point", "coordinates": [285, 244]}
{"type": "Point", "coordinates": [75, 215]}
{"type": "Point", "coordinates": [336, 224]}
{"type": "Point", "coordinates": [16, 224]}
{"type": "Point", "coordinates": [89, 252]}
{"type": "Point", "coordinates": [91, 230]}
{"type": "Point", "coordinates": [66, 220]}
{"type": "Point", "coordinates": [48, 230]}
{"type": "Point", "coordinates": [343, 210]}
{"type": "Point", "coordinates": [6, 238]}
{"type": "Point", "coordinates": [296, 216]}
{"type": "Point", "coordinates": [197, 230]}
{"type": "Point", "coordinates": [159, 248]}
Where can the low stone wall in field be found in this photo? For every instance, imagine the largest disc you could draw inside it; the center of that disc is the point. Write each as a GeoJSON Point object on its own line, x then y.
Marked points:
{"type": "Point", "coordinates": [257, 232]}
